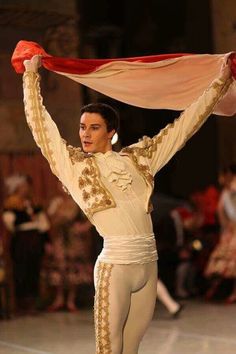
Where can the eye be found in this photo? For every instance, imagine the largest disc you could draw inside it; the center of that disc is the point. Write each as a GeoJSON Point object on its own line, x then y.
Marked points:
{"type": "Point", "coordinates": [95, 128]}
{"type": "Point", "coordinates": [82, 127]}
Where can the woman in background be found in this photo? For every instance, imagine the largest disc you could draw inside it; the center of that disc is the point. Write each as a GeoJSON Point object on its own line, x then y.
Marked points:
{"type": "Point", "coordinates": [222, 262]}
{"type": "Point", "coordinates": [68, 262]}
{"type": "Point", "coordinates": [28, 226]}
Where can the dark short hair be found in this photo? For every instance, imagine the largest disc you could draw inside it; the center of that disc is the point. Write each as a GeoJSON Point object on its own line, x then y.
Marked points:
{"type": "Point", "coordinates": [108, 113]}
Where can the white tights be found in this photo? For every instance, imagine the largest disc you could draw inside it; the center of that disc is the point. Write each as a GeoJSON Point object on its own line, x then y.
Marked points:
{"type": "Point", "coordinates": [124, 304]}
{"type": "Point", "coordinates": [164, 296]}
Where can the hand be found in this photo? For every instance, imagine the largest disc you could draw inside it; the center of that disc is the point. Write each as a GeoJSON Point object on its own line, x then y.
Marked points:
{"type": "Point", "coordinates": [33, 64]}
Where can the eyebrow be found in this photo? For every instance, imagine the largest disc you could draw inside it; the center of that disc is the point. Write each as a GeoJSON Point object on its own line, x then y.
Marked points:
{"type": "Point", "coordinates": [92, 125]}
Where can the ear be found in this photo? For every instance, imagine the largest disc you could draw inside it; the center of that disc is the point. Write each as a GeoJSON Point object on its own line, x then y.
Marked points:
{"type": "Point", "coordinates": [111, 133]}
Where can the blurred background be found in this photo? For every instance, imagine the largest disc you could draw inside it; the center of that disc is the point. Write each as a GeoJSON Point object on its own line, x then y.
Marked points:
{"type": "Point", "coordinates": [110, 29]}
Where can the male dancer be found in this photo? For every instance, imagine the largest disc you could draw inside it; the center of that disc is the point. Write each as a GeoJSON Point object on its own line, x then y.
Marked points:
{"type": "Point", "coordinates": [114, 189]}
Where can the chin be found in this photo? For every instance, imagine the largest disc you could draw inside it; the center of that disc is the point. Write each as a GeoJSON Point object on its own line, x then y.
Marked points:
{"type": "Point", "coordinates": [88, 149]}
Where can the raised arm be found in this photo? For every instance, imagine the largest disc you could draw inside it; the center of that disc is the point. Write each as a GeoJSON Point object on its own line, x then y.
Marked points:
{"type": "Point", "coordinates": [44, 130]}
{"type": "Point", "coordinates": [160, 149]}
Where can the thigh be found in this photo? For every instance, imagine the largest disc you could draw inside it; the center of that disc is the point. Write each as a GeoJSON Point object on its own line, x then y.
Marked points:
{"type": "Point", "coordinates": [112, 303]}
{"type": "Point", "coordinates": [141, 312]}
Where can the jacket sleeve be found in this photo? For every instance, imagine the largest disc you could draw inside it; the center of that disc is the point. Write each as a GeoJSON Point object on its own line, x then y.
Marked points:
{"type": "Point", "coordinates": [44, 130]}
{"type": "Point", "coordinates": [160, 149]}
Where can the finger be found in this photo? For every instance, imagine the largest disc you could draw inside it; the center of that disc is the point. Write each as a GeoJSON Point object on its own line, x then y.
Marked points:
{"type": "Point", "coordinates": [26, 62]}
{"type": "Point", "coordinates": [36, 60]}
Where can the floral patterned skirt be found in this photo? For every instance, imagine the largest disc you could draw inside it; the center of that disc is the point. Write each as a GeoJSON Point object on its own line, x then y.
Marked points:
{"type": "Point", "coordinates": [65, 263]}
{"type": "Point", "coordinates": [223, 258]}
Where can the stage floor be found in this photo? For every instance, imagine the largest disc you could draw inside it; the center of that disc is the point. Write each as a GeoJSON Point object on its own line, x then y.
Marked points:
{"type": "Point", "coordinates": [202, 329]}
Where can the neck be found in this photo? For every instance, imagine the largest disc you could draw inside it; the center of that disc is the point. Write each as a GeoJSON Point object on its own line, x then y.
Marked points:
{"type": "Point", "coordinates": [109, 148]}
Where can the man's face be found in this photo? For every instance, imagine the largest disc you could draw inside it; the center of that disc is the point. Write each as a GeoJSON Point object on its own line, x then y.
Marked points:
{"type": "Point", "coordinates": [93, 133]}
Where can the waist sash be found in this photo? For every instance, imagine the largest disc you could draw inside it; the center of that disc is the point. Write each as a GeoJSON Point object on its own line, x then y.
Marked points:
{"type": "Point", "coordinates": [129, 249]}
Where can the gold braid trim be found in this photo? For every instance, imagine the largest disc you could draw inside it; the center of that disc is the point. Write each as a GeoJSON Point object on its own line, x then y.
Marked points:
{"type": "Point", "coordinates": [150, 144]}
{"type": "Point", "coordinates": [95, 194]}
{"type": "Point", "coordinates": [75, 153]}
{"type": "Point", "coordinates": [39, 129]}
{"type": "Point", "coordinates": [221, 89]}
{"type": "Point", "coordinates": [101, 309]}
{"type": "Point", "coordinates": [146, 151]}
{"type": "Point", "coordinates": [143, 169]}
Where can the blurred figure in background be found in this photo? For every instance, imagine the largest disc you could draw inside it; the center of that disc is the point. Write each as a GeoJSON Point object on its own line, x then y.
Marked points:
{"type": "Point", "coordinates": [177, 241]}
{"type": "Point", "coordinates": [173, 307]}
{"type": "Point", "coordinates": [226, 181]}
{"type": "Point", "coordinates": [165, 234]}
{"type": "Point", "coordinates": [206, 202]}
{"type": "Point", "coordinates": [2, 282]}
{"type": "Point", "coordinates": [222, 262]}
{"type": "Point", "coordinates": [27, 225]}
{"type": "Point", "coordinates": [68, 259]}
{"type": "Point", "coordinates": [187, 223]}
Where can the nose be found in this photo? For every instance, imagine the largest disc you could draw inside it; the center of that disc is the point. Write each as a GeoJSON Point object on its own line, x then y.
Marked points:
{"type": "Point", "coordinates": [86, 133]}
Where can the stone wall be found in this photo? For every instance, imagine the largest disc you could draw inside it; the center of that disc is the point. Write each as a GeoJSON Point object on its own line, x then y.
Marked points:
{"type": "Point", "coordinates": [53, 24]}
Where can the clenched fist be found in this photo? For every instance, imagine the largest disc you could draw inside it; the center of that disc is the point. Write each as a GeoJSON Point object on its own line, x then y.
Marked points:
{"type": "Point", "coordinates": [33, 64]}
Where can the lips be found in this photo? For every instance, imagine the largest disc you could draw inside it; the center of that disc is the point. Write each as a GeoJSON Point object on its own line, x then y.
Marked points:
{"type": "Point", "coordinates": [87, 143]}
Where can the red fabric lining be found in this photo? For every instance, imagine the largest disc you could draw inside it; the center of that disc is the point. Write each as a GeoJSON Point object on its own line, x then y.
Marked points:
{"type": "Point", "coordinates": [26, 50]}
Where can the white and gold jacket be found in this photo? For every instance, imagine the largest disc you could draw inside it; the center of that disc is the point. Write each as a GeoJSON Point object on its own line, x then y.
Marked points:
{"type": "Point", "coordinates": [81, 173]}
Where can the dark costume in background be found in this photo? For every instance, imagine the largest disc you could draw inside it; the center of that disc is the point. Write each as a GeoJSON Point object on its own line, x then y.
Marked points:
{"type": "Point", "coordinates": [28, 228]}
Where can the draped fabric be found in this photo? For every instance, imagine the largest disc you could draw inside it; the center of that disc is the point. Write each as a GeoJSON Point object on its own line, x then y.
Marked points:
{"type": "Point", "coordinates": [168, 81]}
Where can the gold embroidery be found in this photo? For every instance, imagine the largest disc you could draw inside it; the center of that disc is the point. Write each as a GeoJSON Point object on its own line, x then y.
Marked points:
{"type": "Point", "coordinates": [101, 309]}
{"type": "Point", "coordinates": [149, 145]}
{"type": "Point", "coordinates": [92, 186]}
{"type": "Point", "coordinates": [221, 90]}
{"type": "Point", "coordinates": [86, 195]}
{"type": "Point", "coordinates": [38, 119]}
{"type": "Point", "coordinates": [134, 153]}
{"type": "Point", "coordinates": [143, 169]}
{"type": "Point", "coordinates": [94, 193]}
{"type": "Point", "coordinates": [75, 153]}
{"type": "Point", "coordinates": [146, 150]}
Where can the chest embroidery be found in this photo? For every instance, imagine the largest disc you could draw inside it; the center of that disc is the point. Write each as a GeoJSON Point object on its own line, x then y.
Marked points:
{"type": "Point", "coordinates": [75, 153]}
{"type": "Point", "coordinates": [94, 193]}
{"type": "Point", "coordinates": [143, 169]}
